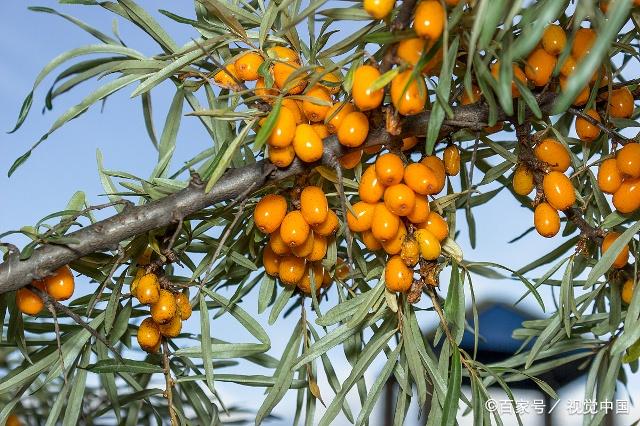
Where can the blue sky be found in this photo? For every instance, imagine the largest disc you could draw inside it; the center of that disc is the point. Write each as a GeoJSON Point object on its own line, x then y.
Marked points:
{"type": "Point", "coordinates": [66, 162]}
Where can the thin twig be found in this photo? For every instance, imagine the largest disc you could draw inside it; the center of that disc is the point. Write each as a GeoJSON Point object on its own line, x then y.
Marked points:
{"type": "Point", "coordinates": [168, 391]}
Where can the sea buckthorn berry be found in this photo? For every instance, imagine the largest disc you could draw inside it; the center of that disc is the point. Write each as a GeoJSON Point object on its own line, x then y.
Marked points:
{"type": "Point", "coordinates": [582, 43]}
{"type": "Point", "coordinates": [321, 130]}
{"type": "Point", "coordinates": [319, 248]}
{"type": "Point", "coordinates": [621, 103]}
{"type": "Point", "coordinates": [354, 129]}
{"type": "Point", "coordinates": [609, 176]}
{"type": "Point", "coordinates": [134, 284]}
{"type": "Point", "coordinates": [475, 96]}
{"type": "Point", "coordinates": [184, 305]}
{"type": "Point", "coordinates": [400, 199]}
{"type": "Point", "coordinates": [622, 258]}
{"type": "Point", "coordinates": [553, 153]}
{"type": "Point", "coordinates": [61, 284]}
{"type": "Point", "coordinates": [628, 160]}
{"type": "Point", "coordinates": [277, 244]}
{"type": "Point", "coordinates": [328, 227]}
{"type": "Point", "coordinates": [13, 420]}
{"type": "Point", "coordinates": [28, 302]}
{"type": "Point", "coordinates": [408, 93]}
{"type": "Point", "coordinates": [330, 81]}
{"type": "Point", "coordinates": [582, 97]}
{"type": "Point", "coordinates": [342, 270]}
{"type": "Point", "coordinates": [172, 328]}
{"type": "Point", "coordinates": [294, 230]}
{"type": "Point", "coordinates": [437, 167]}
{"type": "Point", "coordinates": [517, 74]}
{"type": "Point", "coordinates": [394, 245]}
{"type": "Point", "coordinates": [546, 220]}
{"type": "Point", "coordinates": [436, 225]}
{"type": "Point", "coordinates": [558, 190]}
{"type": "Point", "coordinates": [371, 188]}
{"type": "Point", "coordinates": [451, 158]}
{"type": "Point", "coordinates": [420, 212]}
{"type": "Point", "coordinates": [408, 143]}
{"type": "Point", "coordinates": [627, 291]}
{"type": "Point", "coordinates": [263, 92]}
{"type": "Point", "coordinates": [410, 253]}
{"type": "Point", "coordinates": [247, 65]}
{"type": "Point", "coordinates": [304, 249]}
{"type": "Point", "coordinates": [283, 129]}
{"type": "Point", "coordinates": [305, 283]}
{"type": "Point", "coordinates": [568, 66]}
{"type": "Point", "coordinates": [554, 39]}
{"type": "Point", "coordinates": [336, 115]}
{"type": "Point", "coordinates": [585, 130]}
{"type": "Point", "coordinates": [627, 198]}
{"type": "Point", "coordinates": [294, 106]}
{"type": "Point", "coordinates": [397, 276]}
{"type": "Point", "coordinates": [269, 212]}
{"type": "Point", "coordinates": [429, 19]}
{"type": "Point", "coordinates": [360, 218]}
{"type": "Point", "coordinates": [539, 67]}
{"type": "Point", "coordinates": [283, 53]}
{"type": "Point", "coordinates": [291, 270]}
{"type": "Point", "coordinates": [429, 244]}
{"type": "Point", "coordinates": [370, 242]}
{"type": "Point", "coordinates": [226, 78]}
{"type": "Point", "coordinates": [378, 9]}
{"type": "Point", "coordinates": [351, 160]}
{"type": "Point", "coordinates": [410, 51]}
{"type": "Point", "coordinates": [145, 257]}
{"type": "Point", "coordinates": [307, 144]}
{"type": "Point", "coordinates": [148, 290]}
{"type": "Point", "coordinates": [283, 80]}
{"type": "Point", "coordinates": [270, 261]}
{"type": "Point", "coordinates": [313, 205]}
{"type": "Point", "coordinates": [148, 335]}
{"type": "Point", "coordinates": [523, 181]}
{"type": "Point", "coordinates": [317, 109]}
{"type": "Point", "coordinates": [363, 97]}
{"type": "Point", "coordinates": [420, 178]}
{"type": "Point", "coordinates": [385, 224]}
{"type": "Point", "coordinates": [282, 157]}
{"type": "Point", "coordinates": [165, 308]}
{"type": "Point", "coordinates": [390, 169]}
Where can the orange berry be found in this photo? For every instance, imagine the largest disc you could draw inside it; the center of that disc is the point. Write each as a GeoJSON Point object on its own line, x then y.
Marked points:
{"type": "Point", "coordinates": [582, 43]}
{"type": "Point", "coordinates": [305, 283]}
{"type": "Point", "coordinates": [370, 241]}
{"type": "Point", "coordinates": [437, 167]}
{"type": "Point", "coordinates": [277, 244]}
{"type": "Point", "coordinates": [283, 80]}
{"type": "Point", "coordinates": [269, 212]}
{"type": "Point", "coordinates": [385, 224]}
{"type": "Point", "coordinates": [354, 129]}
{"type": "Point", "coordinates": [342, 270]}
{"type": "Point", "coordinates": [282, 157]}
{"type": "Point", "coordinates": [627, 198]}
{"type": "Point", "coordinates": [408, 93]}
{"type": "Point", "coordinates": [410, 51]}
{"type": "Point", "coordinates": [627, 291]}
{"type": "Point", "coordinates": [436, 225]}
{"type": "Point", "coordinates": [283, 53]}
{"type": "Point", "coordinates": [330, 81]}
{"type": "Point", "coordinates": [378, 9]}
{"type": "Point", "coordinates": [394, 245]}
{"type": "Point", "coordinates": [397, 276]}
{"type": "Point", "coordinates": [226, 78]}
{"type": "Point", "coordinates": [517, 73]}
{"type": "Point", "coordinates": [546, 220]}
{"type": "Point", "coordinates": [475, 96]}
{"type": "Point", "coordinates": [582, 97]}
{"type": "Point", "coordinates": [61, 284]}
{"type": "Point", "coordinates": [351, 160]}
{"type": "Point", "coordinates": [523, 181]}
{"type": "Point", "coordinates": [314, 205]}
{"type": "Point", "coordinates": [420, 178]}
{"type": "Point", "coordinates": [247, 65]}
{"type": "Point", "coordinates": [553, 153]}
{"type": "Point", "coordinates": [363, 97]}
{"type": "Point", "coordinates": [148, 335]}
{"type": "Point", "coordinates": [568, 66]}
{"type": "Point", "coordinates": [400, 199]}
{"type": "Point", "coordinates": [328, 227]}
{"type": "Point", "coordinates": [294, 106]}
{"type": "Point", "coordinates": [304, 249]}
{"type": "Point", "coordinates": [319, 248]}
{"type": "Point", "coordinates": [148, 289]}
{"type": "Point", "coordinates": [270, 261]}
{"type": "Point", "coordinates": [609, 176]}
{"type": "Point", "coordinates": [361, 218]}
{"type": "Point", "coordinates": [317, 109]}
{"type": "Point", "coordinates": [134, 284]}
{"type": "Point", "coordinates": [554, 39]}
{"type": "Point", "coordinates": [408, 143]}
{"type": "Point", "coordinates": [410, 252]}
{"type": "Point", "coordinates": [28, 302]}
{"type": "Point", "coordinates": [628, 160]}
{"type": "Point", "coordinates": [172, 328]}
{"type": "Point", "coordinates": [165, 308]}
{"type": "Point", "coordinates": [283, 129]}
{"type": "Point", "coordinates": [429, 19]}
{"type": "Point", "coordinates": [145, 257]}
{"type": "Point", "coordinates": [294, 229]}
{"type": "Point", "coordinates": [451, 158]}
{"type": "Point", "coordinates": [390, 169]}
{"type": "Point", "coordinates": [621, 103]}
{"type": "Point", "coordinates": [539, 67]}
{"type": "Point", "coordinates": [558, 190]}
{"type": "Point", "coordinates": [307, 144]}
{"type": "Point", "coordinates": [429, 244]}
{"type": "Point", "coordinates": [371, 188]}
{"type": "Point", "coordinates": [291, 269]}
{"type": "Point", "coordinates": [585, 130]}
{"type": "Point", "coordinates": [264, 93]}
{"type": "Point", "coordinates": [321, 130]}
{"type": "Point", "coordinates": [13, 420]}
{"type": "Point", "coordinates": [336, 115]}
{"type": "Point", "coordinates": [184, 305]}
{"type": "Point", "coordinates": [623, 256]}
{"type": "Point", "coordinates": [420, 212]}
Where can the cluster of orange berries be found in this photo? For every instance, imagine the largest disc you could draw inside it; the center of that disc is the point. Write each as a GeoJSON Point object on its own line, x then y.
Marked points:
{"type": "Point", "coordinates": [394, 215]}
{"type": "Point", "coordinates": [620, 176]}
{"type": "Point", "coordinates": [168, 309]}
{"type": "Point", "coordinates": [59, 286]}
{"type": "Point", "coordinates": [298, 239]}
